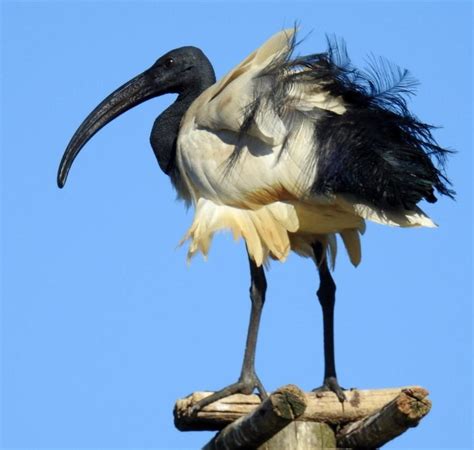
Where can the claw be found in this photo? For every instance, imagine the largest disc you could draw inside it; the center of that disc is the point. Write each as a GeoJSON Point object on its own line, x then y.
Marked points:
{"type": "Point", "coordinates": [246, 385]}
{"type": "Point", "coordinates": [331, 384]}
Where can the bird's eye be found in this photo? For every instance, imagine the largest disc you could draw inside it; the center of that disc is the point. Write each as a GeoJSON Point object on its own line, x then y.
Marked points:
{"type": "Point", "coordinates": [169, 62]}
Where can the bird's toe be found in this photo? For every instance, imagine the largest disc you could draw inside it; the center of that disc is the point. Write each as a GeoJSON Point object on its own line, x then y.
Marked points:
{"type": "Point", "coordinates": [247, 384]}
{"type": "Point", "coordinates": [331, 385]}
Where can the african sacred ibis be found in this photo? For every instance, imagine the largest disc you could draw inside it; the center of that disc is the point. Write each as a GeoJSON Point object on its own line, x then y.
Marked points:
{"type": "Point", "coordinates": [286, 152]}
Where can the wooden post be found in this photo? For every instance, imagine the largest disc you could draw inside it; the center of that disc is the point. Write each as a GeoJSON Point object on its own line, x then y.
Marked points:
{"type": "Point", "coordinates": [403, 412]}
{"type": "Point", "coordinates": [255, 429]}
{"type": "Point", "coordinates": [291, 419]}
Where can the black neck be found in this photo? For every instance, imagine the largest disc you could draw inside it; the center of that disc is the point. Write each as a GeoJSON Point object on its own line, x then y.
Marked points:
{"type": "Point", "coordinates": [166, 127]}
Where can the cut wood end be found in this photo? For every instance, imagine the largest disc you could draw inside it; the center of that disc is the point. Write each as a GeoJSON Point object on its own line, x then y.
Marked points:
{"type": "Point", "coordinates": [416, 391]}
{"type": "Point", "coordinates": [413, 404]}
{"type": "Point", "coordinates": [288, 402]}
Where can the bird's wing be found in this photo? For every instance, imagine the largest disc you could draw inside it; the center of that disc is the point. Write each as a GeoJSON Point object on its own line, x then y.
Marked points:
{"type": "Point", "coordinates": [222, 106]}
{"type": "Point", "coordinates": [343, 130]}
{"type": "Point", "coordinates": [313, 137]}
{"type": "Point", "coordinates": [245, 100]}
{"type": "Point", "coordinates": [239, 115]}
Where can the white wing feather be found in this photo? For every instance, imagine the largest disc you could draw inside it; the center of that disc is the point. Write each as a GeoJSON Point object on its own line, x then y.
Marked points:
{"type": "Point", "coordinates": [266, 197]}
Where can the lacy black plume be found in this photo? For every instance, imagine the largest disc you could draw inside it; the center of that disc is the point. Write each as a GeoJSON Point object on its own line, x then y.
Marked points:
{"type": "Point", "coordinates": [376, 150]}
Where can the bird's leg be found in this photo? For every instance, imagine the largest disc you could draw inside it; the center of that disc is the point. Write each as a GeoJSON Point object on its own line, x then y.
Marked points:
{"type": "Point", "coordinates": [327, 298]}
{"type": "Point", "coordinates": [248, 380]}
{"type": "Point", "coordinates": [258, 288]}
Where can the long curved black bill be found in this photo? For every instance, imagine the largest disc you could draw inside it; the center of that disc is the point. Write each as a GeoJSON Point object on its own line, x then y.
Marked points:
{"type": "Point", "coordinates": [132, 93]}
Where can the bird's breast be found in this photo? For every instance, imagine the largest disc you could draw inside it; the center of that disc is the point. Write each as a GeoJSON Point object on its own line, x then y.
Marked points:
{"type": "Point", "coordinates": [262, 174]}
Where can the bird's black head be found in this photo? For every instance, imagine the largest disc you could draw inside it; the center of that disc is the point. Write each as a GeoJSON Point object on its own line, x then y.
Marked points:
{"type": "Point", "coordinates": [181, 70]}
{"type": "Point", "coordinates": [185, 71]}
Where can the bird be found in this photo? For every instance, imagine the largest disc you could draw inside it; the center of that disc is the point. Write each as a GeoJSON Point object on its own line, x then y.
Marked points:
{"type": "Point", "coordinates": [289, 153]}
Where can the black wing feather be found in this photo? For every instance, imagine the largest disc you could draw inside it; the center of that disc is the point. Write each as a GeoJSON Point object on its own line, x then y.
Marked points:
{"type": "Point", "coordinates": [377, 150]}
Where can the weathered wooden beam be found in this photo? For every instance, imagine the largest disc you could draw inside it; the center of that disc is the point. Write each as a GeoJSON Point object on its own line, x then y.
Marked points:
{"type": "Point", "coordinates": [403, 412]}
{"type": "Point", "coordinates": [299, 435]}
{"type": "Point", "coordinates": [323, 407]}
{"type": "Point", "coordinates": [253, 430]}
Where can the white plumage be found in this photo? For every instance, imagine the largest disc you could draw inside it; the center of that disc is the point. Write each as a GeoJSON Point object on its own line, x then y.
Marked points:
{"type": "Point", "coordinates": [266, 198]}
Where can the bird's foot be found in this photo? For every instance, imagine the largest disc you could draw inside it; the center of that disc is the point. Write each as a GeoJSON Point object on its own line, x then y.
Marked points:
{"type": "Point", "coordinates": [331, 384]}
{"type": "Point", "coordinates": [246, 385]}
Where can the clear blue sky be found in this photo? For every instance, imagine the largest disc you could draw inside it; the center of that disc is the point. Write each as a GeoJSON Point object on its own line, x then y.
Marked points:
{"type": "Point", "coordinates": [104, 326]}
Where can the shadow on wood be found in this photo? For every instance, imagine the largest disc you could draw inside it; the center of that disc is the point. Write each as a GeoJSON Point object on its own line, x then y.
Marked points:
{"type": "Point", "coordinates": [290, 418]}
